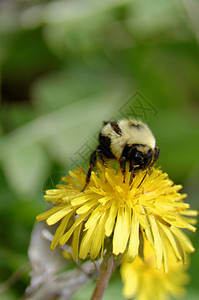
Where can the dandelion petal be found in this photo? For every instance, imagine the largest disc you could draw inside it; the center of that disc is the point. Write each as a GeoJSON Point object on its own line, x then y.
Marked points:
{"type": "Point", "coordinates": [134, 239]}
{"type": "Point", "coordinates": [75, 242]}
{"type": "Point", "coordinates": [68, 234]}
{"type": "Point", "coordinates": [157, 241]}
{"type": "Point", "coordinates": [58, 215]}
{"type": "Point", "coordinates": [122, 231]}
{"type": "Point", "coordinates": [86, 243]}
{"type": "Point", "coordinates": [99, 237]}
{"type": "Point", "coordinates": [60, 231]}
{"type": "Point", "coordinates": [111, 220]}
{"type": "Point", "coordinates": [187, 244]}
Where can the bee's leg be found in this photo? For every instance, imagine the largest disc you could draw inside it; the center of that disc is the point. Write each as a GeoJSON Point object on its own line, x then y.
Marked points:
{"type": "Point", "coordinates": [123, 166]}
{"type": "Point", "coordinates": [101, 156]}
{"type": "Point", "coordinates": [92, 164]}
{"type": "Point", "coordinates": [132, 170]}
{"type": "Point", "coordinates": [131, 177]}
{"type": "Point", "coordinates": [143, 178]}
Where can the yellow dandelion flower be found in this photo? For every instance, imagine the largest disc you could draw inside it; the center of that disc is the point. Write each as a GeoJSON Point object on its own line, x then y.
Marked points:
{"type": "Point", "coordinates": [144, 281]}
{"type": "Point", "coordinates": [110, 208]}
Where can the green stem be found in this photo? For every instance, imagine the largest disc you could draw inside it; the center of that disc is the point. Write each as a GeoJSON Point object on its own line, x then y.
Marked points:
{"type": "Point", "coordinates": [103, 280]}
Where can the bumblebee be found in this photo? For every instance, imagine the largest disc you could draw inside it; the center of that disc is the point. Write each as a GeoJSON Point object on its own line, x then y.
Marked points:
{"type": "Point", "coordinates": [128, 141]}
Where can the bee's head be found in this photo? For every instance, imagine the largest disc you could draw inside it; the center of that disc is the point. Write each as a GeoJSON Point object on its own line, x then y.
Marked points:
{"type": "Point", "coordinates": [141, 157]}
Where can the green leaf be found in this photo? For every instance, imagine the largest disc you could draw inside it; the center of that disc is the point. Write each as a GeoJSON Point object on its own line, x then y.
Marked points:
{"type": "Point", "coordinates": [26, 169]}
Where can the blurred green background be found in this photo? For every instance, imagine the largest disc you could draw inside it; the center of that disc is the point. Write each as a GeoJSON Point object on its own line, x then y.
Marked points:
{"type": "Point", "coordinates": [68, 65]}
